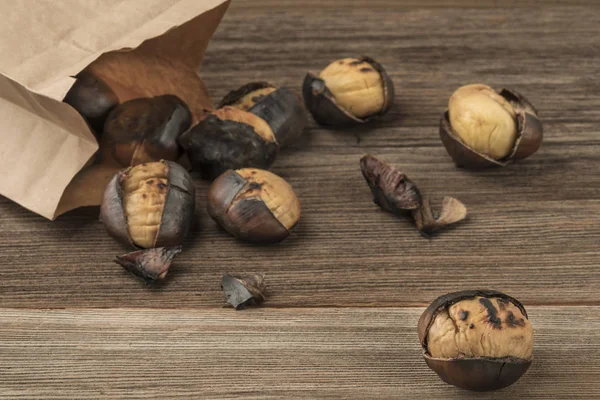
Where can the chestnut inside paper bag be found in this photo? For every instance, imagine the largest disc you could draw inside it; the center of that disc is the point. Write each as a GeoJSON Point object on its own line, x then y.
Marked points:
{"type": "Point", "coordinates": [140, 49]}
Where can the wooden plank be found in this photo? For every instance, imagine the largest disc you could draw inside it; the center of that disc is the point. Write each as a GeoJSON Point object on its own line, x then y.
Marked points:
{"type": "Point", "coordinates": [533, 228]}
{"type": "Point", "coordinates": [268, 353]}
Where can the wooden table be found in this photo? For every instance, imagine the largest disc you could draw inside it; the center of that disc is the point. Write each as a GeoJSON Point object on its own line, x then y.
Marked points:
{"type": "Point", "coordinates": [346, 290]}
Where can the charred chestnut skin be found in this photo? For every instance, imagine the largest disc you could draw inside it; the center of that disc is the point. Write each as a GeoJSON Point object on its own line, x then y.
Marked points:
{"type": "Point", "coordinates": [529, 136]}
{"type": "Point", "coordinates": [282, 109]}
{"type": "Point", "coordinates": [248, 219]}
{"type": "Point", "coordinates": [320, 101]}
{"type": "Point", "coordinates": [92, 98]}
{"type": "Point", "coordinates": [146, 130]}
{"type": "Point", "coordinates": [177, 215]}
{"type": "Point", "coordinates": [475, 374]}
{"type": "Point", "coordinates": [216, 145]}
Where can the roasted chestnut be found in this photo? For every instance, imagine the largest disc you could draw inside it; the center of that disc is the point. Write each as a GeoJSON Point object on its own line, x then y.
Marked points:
{"type": "Point", "coordinates": [254, 205]}
{"type": "Point", "coordinates": [229, 138]}
{"type": "Point", "coordinates": [92, 98]}
{"type": "Point", "coordinates": [477, 339]}
{"type": "Point", "coordinates": [149, 206]}
{"type": "Point", "coordinates": [484, 127]}
{"type": "Point", "coordinates": [146, 129]}
{"type": "Point", "coordinates": [394, 192]}
{"type": "Point", "coordinates": [348, 92]}
{"type": "Point", "coordinates": [281, 108]}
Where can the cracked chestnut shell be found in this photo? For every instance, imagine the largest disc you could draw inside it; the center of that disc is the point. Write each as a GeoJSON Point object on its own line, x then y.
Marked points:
{"type": "Point", "coordinates": [281, 108]}
{"type": "Point", "coordinates": [149, 206]}
{"type": "Point", "coordinates": [229, 138]}
{"type": "Point", "coordinates": [477, 340]}
{"type": "Point", "coordinates": [348, 92]}
{"type": "Point", "coordinates": [92, 98]}
{"type": "Point", "coordinates": [254, 205]}
{"type": "Point", "coordinates": [146, 129]}
{"type": "Point", "coordinates": [484, 127]}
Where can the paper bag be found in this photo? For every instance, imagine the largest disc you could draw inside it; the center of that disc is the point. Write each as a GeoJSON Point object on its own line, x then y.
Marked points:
{"type": "Point", "coordinates": [139, 48]}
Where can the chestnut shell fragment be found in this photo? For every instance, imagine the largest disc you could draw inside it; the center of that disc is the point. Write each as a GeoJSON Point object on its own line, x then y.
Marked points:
{"type": "Point", "coordinates": [149, 264]}
{"type": "Point", "coordinates": [476, 374]}
{"type": "Point", "coordinates": [146, 130]}
{"type": "Point", "coordinates": [529, 139]}
{"type": "Point", "coordinates": [322, 104]}
{"type": "Point", "coordinates": [243, 290]}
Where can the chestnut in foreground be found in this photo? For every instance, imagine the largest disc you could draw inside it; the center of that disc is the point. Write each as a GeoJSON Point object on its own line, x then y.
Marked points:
{"type": "Point", "coordinates": [229, 138]}
{"type": "Point", "coordinates": [149, 206]}
{"type": "Point", "coordinates": [146, 129]}
{"type": "Point", "coordinates": [254, 205]}
{"type": "Point", "coordinates": [484, 127]}
{"type": "Point", "coordinates": [243, 290]}
{"type": "Point", "coordinates": [348, 92]}
{"type": "Point", "coordinates": [477, 340]}
{"type": "Point", "coordinates": [92, 98]}
{"type": "Point", "coordinates": [281, 108]}
{"type": "Point", "coordinates": [394, 192]}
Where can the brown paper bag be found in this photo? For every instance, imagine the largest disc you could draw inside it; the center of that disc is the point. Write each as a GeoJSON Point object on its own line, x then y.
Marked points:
{"type": "Point", "coordinates": [139, 48]}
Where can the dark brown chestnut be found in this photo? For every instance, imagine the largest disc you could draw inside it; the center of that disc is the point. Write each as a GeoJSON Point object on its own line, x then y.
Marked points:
{"type": "Point", "coordinates": [484, 127]}
{"type": "Point", "coordinates": [281, 108]}
{"type": "Point", "coordinates": [229, 138]}
{"type": "Point", "coordinates": [477, 340]}
{"type": "Point", "coordinates": [394, 192]}
{"type": "Point", "coordinates": [146, 129]}
{"type": "Point", "coordinates": [254, 205]}
{"type": "Point", "coordinates": [92, 98]}
{"type": "Point", "coordinates": [149, 206]}
{"type": "Point", "coordinates": [348, 92]}
{"type": "Point", "coordinates": [243, 290]}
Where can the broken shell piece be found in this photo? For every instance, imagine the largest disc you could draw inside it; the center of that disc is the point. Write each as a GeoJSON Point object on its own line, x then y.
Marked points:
{"type": "Point", "coordinates": [149, 264]}
{"type": "Point", "coordinates": [243, 290]}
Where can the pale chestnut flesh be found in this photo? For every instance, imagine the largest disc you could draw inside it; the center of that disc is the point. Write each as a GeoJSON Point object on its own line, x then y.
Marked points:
{"type": "Point", "coordinates": [481, 327]}
{"type": "Point", "coordinates": [356, 86]}
{"type": "Point", "coordinates": [483, 120]}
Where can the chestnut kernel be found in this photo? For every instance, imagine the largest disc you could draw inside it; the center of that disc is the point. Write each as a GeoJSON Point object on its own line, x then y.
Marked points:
{"type": "Point", "coordinates": [393, 191]}
{"type": "Point", "coordinates": [484, 127]}
{"type": "Point", "coordinates": [254, 205]}
{"type": "Point", "coordinates": [229, 138]}
{"type": "Point", "coordinates": [281, 108]}
{"type": "Point", "coordinates": [243, 290]}
{"type": "Point", "coordinates": [477, 340]}
{"type": "Point", "coordinates": [92, 98]}
{"type": "Point", "coordinates": [149, 206]}
{"type": "Point", "coordinates": [348, 92]}
{"type": "Point", "coordinates": [146, 129]}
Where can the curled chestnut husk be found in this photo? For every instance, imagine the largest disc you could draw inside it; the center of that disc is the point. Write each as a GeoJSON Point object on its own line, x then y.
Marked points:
{"type": "Point", "coordinates": [492, 344]}
{"type": "Point", "coordinates": [393, 191]}
{"type": "Point", "coordinates": [281, 108]}
{"type": "Point", "coordinates": [151, 208]}
{"type": "Point", "coordinates": [146, 129]}
{"type": "Point", "coordinates": [254, 205]}
{"type": "Point", "coordinates": [528, 132]}
{"type": "Point", "coordinates": [92, 98]}
{"type": "Point", "coordinates": [335, 102]}
{"type": "Point", "coordinates": [229, 138]}
{"type": "Point", "coordinates": [243, 290]}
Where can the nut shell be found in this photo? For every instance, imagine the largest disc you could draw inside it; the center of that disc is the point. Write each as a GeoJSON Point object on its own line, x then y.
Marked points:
{"type": "Point", "coordinates": [320, 101]}
{"type": "Point", "coordinates": [253, 205]}
{"type": "Point", "coordinates": [529, 139]}
{"type": "Point", "coordinates": [177, 214]}
{"type": "Point", "coordinates": [235, 95]}
{"type": "Point", "coordinates": [477, 374]}
{"type": "Point", "coordinates": [229, 139]}
{"type": "Point", "coordinates": [146, 130]}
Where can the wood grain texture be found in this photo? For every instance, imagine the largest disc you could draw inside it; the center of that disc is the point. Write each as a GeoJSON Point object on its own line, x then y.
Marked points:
{"type": "Point", "coordinates": [365, 353]}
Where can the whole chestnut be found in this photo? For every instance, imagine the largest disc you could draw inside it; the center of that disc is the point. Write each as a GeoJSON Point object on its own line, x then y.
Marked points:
{"type": "Point", "coordinates": [281, 108]}
{"type": "Point", "coordinates": [477, 340]}
{"type": "Point", "coordinates": [229, 138]}
{"type": "Point", "coordinates": [149, 206]}
{"type": "Point", "coordinates": [92, 98]}
{"type": "Point", "coordinates": [254, 205]}
{"type": "Point", "coordinates": [484, 127]}
{"type": "Point", "coordinates": [146, 129]}
{"type": "Point", "coordinates": [348, 92]}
